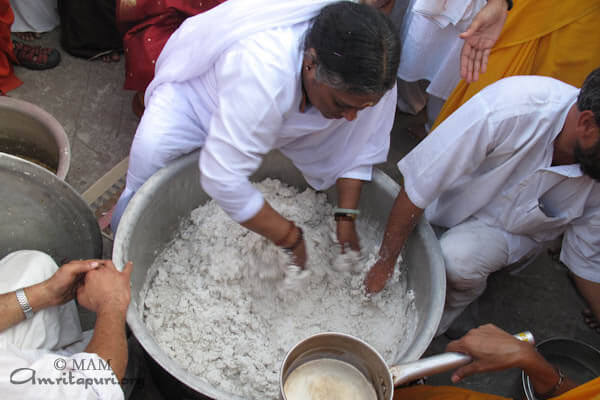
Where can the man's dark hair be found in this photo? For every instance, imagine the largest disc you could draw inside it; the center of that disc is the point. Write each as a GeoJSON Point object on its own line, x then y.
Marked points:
{"type": "Point", "coordinates": [358, 50]}
{"type": "Point", "coordinates": [589, 99]}
{"type": "Point", "coordinates": [589, 160]}
{"type": "Point", "coordinates": [589, 95]}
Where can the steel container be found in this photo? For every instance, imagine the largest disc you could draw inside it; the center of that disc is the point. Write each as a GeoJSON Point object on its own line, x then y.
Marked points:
{"type": "Point", "coordinates": [41, 212]}
{"type": "Point", "coordinates": [29, 132]}
{"type": "Point", "coordinates": [360, 355]}
{"type": "Point", "coordinates": [155, 211]}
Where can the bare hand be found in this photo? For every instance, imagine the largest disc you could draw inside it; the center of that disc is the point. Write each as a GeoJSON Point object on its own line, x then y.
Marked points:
{"type": "Point", "coordinates": [378, 276]}
{"type": "Point", "coordinates": [106, 288]}
{"type": "Point", "coordinates": [62, 286]}
{"type": "Point", "coordinates": [299, 255]}
{"type": "Point", "coordinates": [479, 39]}
{"type": "Point", "coordinates": [347, 236]}
{"type": "Point", "coordinates": [491, 348]}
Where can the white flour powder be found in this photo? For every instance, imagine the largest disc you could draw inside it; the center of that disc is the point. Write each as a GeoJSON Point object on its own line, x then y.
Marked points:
{"type": "Point", "coordinates": [215, 303]}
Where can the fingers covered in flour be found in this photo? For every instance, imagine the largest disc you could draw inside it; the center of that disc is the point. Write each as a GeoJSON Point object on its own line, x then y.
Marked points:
{"type": "Point", "coordinates": [295, 277]}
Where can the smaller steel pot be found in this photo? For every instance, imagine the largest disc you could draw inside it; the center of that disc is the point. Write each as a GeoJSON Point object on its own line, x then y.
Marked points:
{"type": "Point", "coordinates": [363, 357]}
{"type": "Point", "coordinates": [28, 132]}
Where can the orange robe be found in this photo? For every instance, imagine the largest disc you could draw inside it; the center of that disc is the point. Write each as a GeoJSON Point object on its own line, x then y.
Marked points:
{"type": "Point", "coordinates": [587, 391]}
{"type": "Point", "coordinates": [8, 80]}
{"type": "Point", "coordinates": [555, 38]}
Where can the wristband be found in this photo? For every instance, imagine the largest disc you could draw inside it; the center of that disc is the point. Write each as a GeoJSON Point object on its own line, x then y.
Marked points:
{"type": "Point", "coordinates": [345, 214]}
{"type": "Point", "coordinates": [344, 217]}
{"type": "Point", "coordinates": [24, 303]}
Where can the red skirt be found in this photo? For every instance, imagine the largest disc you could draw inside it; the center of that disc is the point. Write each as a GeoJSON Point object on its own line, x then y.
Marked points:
{"type": "Point", "coordinates": [147, 24]}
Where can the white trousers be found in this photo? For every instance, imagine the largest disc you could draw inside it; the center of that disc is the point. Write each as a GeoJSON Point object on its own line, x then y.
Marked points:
{"type": "Point", "coordinates": [34, 15]}
{"type": "Point", "coordinates": [168, 130]}
{"type": "Point", "coordinates": [52, 328]}
{"type": "Point", "coordinates": [473, 250]}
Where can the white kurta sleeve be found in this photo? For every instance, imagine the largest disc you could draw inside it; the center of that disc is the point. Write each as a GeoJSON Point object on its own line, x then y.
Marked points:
{"type": "Point", "coordinates": [454, 149]}
{"type": "Point", "coordinates": [35, 374]}
{"type": "Point", "coordinates": [253, 94]}
{"type": "Point", "coordinates": [581, 244]}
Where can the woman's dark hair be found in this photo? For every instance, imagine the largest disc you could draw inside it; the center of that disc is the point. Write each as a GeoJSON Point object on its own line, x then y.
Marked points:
{"type": "Point", "coordinates": [357, 48]}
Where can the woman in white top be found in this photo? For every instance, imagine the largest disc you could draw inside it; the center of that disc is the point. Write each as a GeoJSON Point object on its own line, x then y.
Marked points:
{"type": "Point", "coordinates": [312, 79]}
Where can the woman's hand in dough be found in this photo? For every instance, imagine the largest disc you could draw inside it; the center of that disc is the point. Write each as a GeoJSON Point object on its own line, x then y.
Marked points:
{"type": "Point", "coordinates": [299, 254]}
{"type": "Point", "coordinates": [479, 39]}
{"type": "Point", "coordinates": [347, 236]}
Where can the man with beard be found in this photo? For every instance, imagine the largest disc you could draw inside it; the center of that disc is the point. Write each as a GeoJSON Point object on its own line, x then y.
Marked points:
{"type": "Point", "coordinates": [513, 169]}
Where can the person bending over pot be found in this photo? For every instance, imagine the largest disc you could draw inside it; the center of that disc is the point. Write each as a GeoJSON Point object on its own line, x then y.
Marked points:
{"type": "Point", "coordinates": [312, 79]}
{"type": "Point", "coordinates": [513, 169]}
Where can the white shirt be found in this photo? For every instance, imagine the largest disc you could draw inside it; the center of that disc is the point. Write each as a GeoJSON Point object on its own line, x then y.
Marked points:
{"type": "Point", "coordinates": [430, 43]}
{"type": "Point", "coordinates": [492, 159]}
{"type": "Point", "coordinates": [61, 373]}
{"type": "Point", "coordinates": [41, 374]}
{"type": "Point", "coordinates": [248, 103]}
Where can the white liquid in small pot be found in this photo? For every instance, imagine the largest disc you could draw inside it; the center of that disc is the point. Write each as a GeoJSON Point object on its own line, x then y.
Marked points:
{"type": "Point", "coordinates": [328, 379]}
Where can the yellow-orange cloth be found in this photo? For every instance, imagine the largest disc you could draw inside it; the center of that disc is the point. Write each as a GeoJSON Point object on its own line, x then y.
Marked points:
{"type": "Point", "coordinates": [426, 392]}
{"type": "Point", "coordinates": [587, 391]}
{"type": "Point", "coordinates": [553, 38]}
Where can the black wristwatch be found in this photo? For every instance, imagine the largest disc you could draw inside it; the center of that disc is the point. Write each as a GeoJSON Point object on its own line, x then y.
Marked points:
{"type": "Point", "coordinates": [509, 3]}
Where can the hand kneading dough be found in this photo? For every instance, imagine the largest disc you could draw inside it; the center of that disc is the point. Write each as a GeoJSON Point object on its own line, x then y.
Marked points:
{"type": "Point", "coordinates": [217, 298]}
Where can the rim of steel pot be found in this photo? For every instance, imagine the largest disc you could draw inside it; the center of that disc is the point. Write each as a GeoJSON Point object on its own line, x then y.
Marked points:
{"type": "Point", "coordinates": [48, 121]}
{"type": "Point", "coordinates": [39, 211]}
{"type": "Point", "coordinates": [138, 219]}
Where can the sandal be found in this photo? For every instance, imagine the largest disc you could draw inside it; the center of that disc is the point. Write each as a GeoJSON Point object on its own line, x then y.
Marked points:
{"type": "Point", "coordinates": [107, 56]}
{"type": "Point", "coordinates": [28, 36]}
{"type": "Point", "coordinates": [35, 57]}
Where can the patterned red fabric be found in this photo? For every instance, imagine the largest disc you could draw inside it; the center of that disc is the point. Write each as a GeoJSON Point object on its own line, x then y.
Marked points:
{"type": "Point", "coordinates": [147, 24]}
{"type": "Point", "coordinates": [8, 80]}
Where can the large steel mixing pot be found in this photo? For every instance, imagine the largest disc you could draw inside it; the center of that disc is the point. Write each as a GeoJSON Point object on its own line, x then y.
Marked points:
{"type": "Point", "coordinates": [41, 212]}
{"type": "Point", "coordinates": [154, 213]}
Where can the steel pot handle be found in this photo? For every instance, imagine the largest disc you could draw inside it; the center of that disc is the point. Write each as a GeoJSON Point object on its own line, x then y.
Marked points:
{"type": "Point", "coordinates": [408, 372]}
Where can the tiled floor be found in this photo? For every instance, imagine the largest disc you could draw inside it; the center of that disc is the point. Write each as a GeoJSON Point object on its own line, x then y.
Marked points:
{"type": "Point", "coordinates": [88, 100]}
